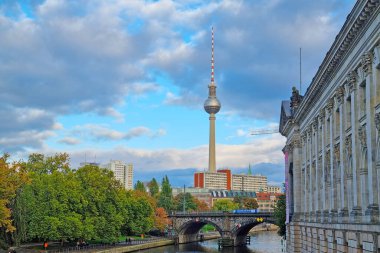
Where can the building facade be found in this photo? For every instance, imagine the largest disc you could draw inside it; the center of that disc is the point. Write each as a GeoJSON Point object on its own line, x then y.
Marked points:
{"type": "Point", "coordinates": [267, 200]}
{"type": "Point", "coordinates": [273, 189]}
{"type": "Point", "coordinates": [256, 183]}
{"type": "Point", "coordinates": [122, 172]}
{"type": "Point", "coordinates": [332, 152]}
{"type": "Point", "coordinates": [224, 180]}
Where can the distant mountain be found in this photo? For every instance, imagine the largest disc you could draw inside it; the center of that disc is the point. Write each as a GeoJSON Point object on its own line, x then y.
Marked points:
{"type": "Point", "coordinates": [179, 177]}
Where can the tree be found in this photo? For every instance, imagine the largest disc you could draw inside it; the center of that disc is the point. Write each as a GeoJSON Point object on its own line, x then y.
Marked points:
{"type": "Point", "coordinates": [201, 205]}
{"type": "Point", "coordinates": [161, 219]}
{"type": "Point", "coordinates": [250, 203]}
{"type": "Point", "coordinates": [225, 205]}
{"type": "Point", "coordinates": [153, 188]}
{"type": "Point", "coordinates": [139, 186]}
{"type": "Point", "coordinates": [12, 178]}
{"type": "Point", "coordinates": [280, 215]}
{"type": "Point", "coordinates": [165, 199]}
{"type": "Point", "coordinates": [239, 200]}
{"type": "Point", "coordinates": [140, 218]}
{"type": "Point", "coordinates": [190, 204]}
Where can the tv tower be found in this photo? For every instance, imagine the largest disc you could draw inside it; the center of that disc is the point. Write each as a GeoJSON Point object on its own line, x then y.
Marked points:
{"type": "Point", "coordinates": [212, 107]}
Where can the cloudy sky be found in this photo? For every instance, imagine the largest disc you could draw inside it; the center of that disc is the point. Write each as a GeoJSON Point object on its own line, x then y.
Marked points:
{"type": "Point", "coordinates": [126, 79]}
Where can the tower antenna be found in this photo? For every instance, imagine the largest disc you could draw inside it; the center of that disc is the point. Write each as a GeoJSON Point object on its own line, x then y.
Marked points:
{"type": "Point", "coordinates": [212, 55]}
{"type": "Point", "coordinates": [300, 70]}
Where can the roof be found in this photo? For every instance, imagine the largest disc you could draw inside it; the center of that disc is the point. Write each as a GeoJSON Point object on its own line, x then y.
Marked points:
{"type": "Point", "coordinates": [232, 194]}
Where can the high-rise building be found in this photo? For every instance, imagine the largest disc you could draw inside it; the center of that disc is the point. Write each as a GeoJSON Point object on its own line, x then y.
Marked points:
{"type": "Point", "coordinates": [225, 180]}
{"type": "Point", "coordinates": [213, 180]}
{"type": "Point", "coordinates": [122, 172]}
{"type": "Point", "coordinates": [212, 107]}
{"type": "Point", "coordinates": [256, 183]}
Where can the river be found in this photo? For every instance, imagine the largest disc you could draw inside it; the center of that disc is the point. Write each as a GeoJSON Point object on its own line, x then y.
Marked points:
{"type": "Point", "coordinates": [261, 242]}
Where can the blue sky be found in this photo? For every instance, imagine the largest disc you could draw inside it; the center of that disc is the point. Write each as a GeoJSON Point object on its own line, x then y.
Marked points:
{"type": "Point", "coordinates": [127, 79]}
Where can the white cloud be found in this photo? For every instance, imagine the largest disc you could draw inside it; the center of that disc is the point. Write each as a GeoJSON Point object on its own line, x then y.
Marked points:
{"type": "Point", "coordinates": [257, 151]}
{"type": "Point", "coordinates": [70, 141]}
{"type": "Point", "coordinates": [103, 132]}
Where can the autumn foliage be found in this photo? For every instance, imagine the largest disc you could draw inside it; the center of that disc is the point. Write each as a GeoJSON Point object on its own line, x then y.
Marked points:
{"type": "Point", "coordinates": [12, 177]}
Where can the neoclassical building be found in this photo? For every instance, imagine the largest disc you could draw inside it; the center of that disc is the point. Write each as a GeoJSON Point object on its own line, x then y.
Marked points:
{"type": "Point", "coordinates": [332, 152]}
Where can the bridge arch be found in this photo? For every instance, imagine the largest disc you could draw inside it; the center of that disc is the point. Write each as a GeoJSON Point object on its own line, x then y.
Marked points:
{"type": "Point", "coordinates": [188, 231]}
{"type": "Point", "coordinates": [241, 230]}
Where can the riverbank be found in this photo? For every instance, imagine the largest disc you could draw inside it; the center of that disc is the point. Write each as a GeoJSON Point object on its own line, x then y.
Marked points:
{"type": "Point", "coordinates": [150, 245]}
{"type": "Point", "coordinates": [132, 248]}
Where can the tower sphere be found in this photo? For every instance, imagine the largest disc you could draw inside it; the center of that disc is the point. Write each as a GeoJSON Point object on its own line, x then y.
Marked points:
{"type": "Point", "coordinates": [212, 105]}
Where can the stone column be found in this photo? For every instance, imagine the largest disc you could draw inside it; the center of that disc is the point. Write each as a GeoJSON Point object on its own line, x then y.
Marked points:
{"type": "Point", "coordinates": [363, 165]}
{"type": "Point", "coordinates": [348, 171]}
{"type": "Point", "coordinates": [304, 165]}
{"type": "Point", "coordinates": [315, 168]}
{"type": "Point", "coordinates": [373, 206]}
{"type": "Point", "coordinates": [297, 188]}
{"type": "Point", "coordinates": [343, 212]}
{"type": "Point", "coordinates": [356, 210]}
{"type": "Point", "coordinates": [337, 178]}
{"type": "Point", "coordinates": [322, 120]}
{"type": "Point", "coordinates": [309, 173]}
{"type": "Point", "coordinates": [332, 193]}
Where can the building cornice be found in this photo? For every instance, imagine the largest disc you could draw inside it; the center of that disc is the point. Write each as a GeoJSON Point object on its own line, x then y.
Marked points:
{"type": "Point", "coordinates": [348, 37]}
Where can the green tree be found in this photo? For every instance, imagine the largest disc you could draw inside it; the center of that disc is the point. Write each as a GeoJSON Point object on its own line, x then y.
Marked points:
{"type": "Point", "coordinates": [239, 200]}
{"type": "Point", "coordinates": [165, 198]}
{"type": "Point", "coordinates": [190, 204]}
{"type": "Point", "coordinates": [103, 207]}
{"type": "Point", "coordinates": [250, 203]}
{"type": "Point", "coordinates": [225, 205]}
{"type": "Point", "coordinates": [139, 186]}
{"type": "Point", "coordinates": [140, 218]}
{"type": "Point", "coordinates": [153, 187]}
{"type": "Point", "coordinates": [280, 215]}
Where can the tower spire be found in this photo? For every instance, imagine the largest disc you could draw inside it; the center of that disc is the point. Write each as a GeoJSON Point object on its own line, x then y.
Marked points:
{"type": "Point", "coordinates": [212, 55]}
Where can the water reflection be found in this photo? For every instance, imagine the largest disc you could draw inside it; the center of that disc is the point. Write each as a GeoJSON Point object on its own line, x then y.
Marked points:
{"type": "Point", "coordinates": [261, 242]}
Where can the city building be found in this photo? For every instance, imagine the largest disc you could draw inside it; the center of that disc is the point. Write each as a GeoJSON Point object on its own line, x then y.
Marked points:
{"type": "Point", "coordinates": [122, 172]}
{"type": "Point", "coordinates": [267, 200]}
{"type": "Point", "coordinates": [255, 183]}
{"type": "Point", "coordinates": [213, 180]}
{"type": "Point", "coordinates": [224, 180]}
{"type": "Point", "coordinates": [273, 189]}
{"type": "Point", "coordinates": [332, 151]}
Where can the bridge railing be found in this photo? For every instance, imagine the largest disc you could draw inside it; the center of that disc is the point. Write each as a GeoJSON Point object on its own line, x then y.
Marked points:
{"type": "Point", "coordinates": [210, 213]}
{"type": "Point", "coordinates": [196, 212]}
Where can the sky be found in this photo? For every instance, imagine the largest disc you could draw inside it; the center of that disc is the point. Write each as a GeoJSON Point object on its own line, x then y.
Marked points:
{"type": "Point", "coordinates": [126, 80]}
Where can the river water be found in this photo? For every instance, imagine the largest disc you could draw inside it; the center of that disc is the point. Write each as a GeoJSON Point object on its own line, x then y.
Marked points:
{"type": "Point", "coordinates": [261, 242]}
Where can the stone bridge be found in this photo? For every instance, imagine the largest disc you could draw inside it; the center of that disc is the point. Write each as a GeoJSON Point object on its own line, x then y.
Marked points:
{"type": "Point", "coordinates": [230, 225]}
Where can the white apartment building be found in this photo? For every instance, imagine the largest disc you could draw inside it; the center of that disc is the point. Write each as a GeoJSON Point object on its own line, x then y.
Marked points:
{"type": "Point", "coordinates": [255, 183]}
{"type": "Point", "coordinates": [122, 172]}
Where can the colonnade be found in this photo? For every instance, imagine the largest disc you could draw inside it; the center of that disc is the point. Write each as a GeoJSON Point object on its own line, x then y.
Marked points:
{"type": "Point", "coordinates": [336, 153]}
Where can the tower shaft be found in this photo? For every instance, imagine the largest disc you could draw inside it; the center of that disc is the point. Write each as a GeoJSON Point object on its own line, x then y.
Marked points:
{"type": "Point", "coordinates": [211, 147]}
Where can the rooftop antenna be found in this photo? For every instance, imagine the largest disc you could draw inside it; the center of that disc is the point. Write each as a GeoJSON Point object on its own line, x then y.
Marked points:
{"type": "Point", "coordinates": [300, 70]}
